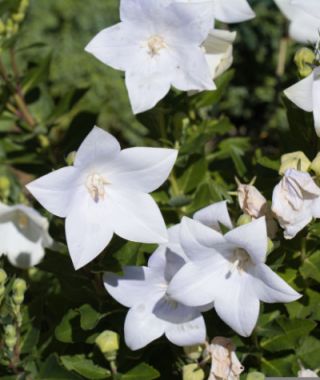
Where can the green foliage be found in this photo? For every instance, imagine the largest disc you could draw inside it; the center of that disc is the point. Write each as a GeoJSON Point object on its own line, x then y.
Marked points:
{"type": "Point", "coordinates": [241, 129]}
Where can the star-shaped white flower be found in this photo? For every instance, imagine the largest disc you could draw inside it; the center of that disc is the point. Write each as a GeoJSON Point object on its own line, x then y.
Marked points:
{"type": "Point", "coordinates": [304, 17]}
{"type": "Point", "coordinates": [295, 201]}
{"type": "Point", "coordinates": [106, 192]}
{"type": "Point", "coordinates": [230, 271]}
{"type": "Point", "coordinates": [228, 11]}
{"type": "Point", "coordinates": [306, 95]}
{"type": "Point", "coordinates": [158, 45]}
{"type": "Point", "coordinates": [152, 312]}
{"type": "Point", "coordinates": [24, 235]}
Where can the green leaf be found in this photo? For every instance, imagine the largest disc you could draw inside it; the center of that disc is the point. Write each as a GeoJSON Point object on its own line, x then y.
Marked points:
{"type": "Point", "coordinates": [30, 340]}
{"type": "Point", "coordinates": [52, 370]}
{"type": "Point", "coordinates": [63, 331]}
{"type": "Point", "coordinates": [84, 367]}
{"type": "Point", "coordinates": [288, 334]}
{"type": "Point", "coordinates": [311, 267]}
{"type": "Point", "coordinates": [193, 176]}
{"type": "Point", "coordinates": [255, 376]}
{"type": "Point", "coordinates": [38, 74]}
{"type": "Point", "coordinates": [309, 352]}
{"type": "Point", "coordinates": [89, 317]}
{"type": "Point", "coordinates": [278, 367]}
{"type": "Point", "coordinates": [142, 371]}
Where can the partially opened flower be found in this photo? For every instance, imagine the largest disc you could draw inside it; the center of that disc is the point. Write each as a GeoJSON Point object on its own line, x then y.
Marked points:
{"type": "Point", "coordinates": [304, 25]}
{"type": "Point", "coordinates": [106, 192]}
{"type": "Point", "coordinates": [306, 95]}
{"type": "Point", "coordinates": [158, 45]}
{"type": "Point", "coordinates": [224, 362]}
{"type": "Point", "coordinates": [295, 201]}
{"type": "Point", "coordinates": [219, 51]}
{"type": "Point", "coordinates": [152, 311]}
{"type": "Point", "coordinates": [230, 271]}
{"type": "Point", "coordinates": [24, 235]}
{"type": "Point", "coordinates": [228, 11]}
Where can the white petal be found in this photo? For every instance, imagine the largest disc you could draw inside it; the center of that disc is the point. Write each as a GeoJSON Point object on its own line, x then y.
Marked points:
{"type": "Point", "coordinates": [230, 11]}
{"type": "Point", "coordinates": [252, 237]}
{"type": "Point", "coordinates": [148, 80]}
{"type": "Point", "coordinates": [142, 169]}
{"type": "Point", "coordinates": [89, 228]}
{"type": "Point", "coordinates": [135, 216]}
{"type": "Point", "coordinates": [310, 6]}
{"type": "Point", "coordinates": [287, 8]}
{"type": "Point", "coordinates": [23, 251]}
{"type": "Point", "coordinates": [198, 241]}
{"type": "Point", "coordinates": [55, 191]}
{"type": "Point", "coordinates": [214, 215]}
{"type": "Point", "coordinates": [187, 333]}
{"type": "Point", "coordinates": [97, 148]}
{"type": "Point", "coordinates": [114, 45]}
{"type": "Point", "coordinates": [305, 28]}
{"type": "Point", "coordinates": [316, 99]}
{"type": "Point", "coordinates": [191, 69]}
{"type": "Point", "coordinates": [270, 288]}
{"type": "Point", "coordinates": [301, 93]}
{"type": "Point", "coordinates": [135, 286]}
{"type": "Point", "coordinates": [237, 304]}
{"type": "Point", "coordinates": [198, 284]}
{"type": "Point", "coordinates": [142, 327]}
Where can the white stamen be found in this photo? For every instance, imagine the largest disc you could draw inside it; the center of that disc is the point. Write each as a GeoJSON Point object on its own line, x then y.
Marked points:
{"type": "Point", "coordinates": [96, 186]}
{"type": "Point", "coordinates": [155, 44]}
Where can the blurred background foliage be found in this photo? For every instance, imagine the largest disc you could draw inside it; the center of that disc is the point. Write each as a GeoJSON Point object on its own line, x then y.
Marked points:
{"type": "Point", "coordinates": [239, 130]}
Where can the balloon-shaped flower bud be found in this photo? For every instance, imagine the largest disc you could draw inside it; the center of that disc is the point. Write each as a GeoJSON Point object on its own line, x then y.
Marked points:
{"type": "Point", "coordinates": [304, 59]}
{"type": "Point", "coordinates": [19, 288]}
{"type": "Point", "coordinates": [244, 219]}
{"type": "Point", "coordinates": [108, 343]}
{"type": "Point", "coordinates": [192, 372]}
{"type": "Point", "coordinates": [10, 337]}
{"type": "Point", "coordinates": [295, 160]}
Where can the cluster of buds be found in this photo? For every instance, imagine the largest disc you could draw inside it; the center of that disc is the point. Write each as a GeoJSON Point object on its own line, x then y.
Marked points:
{"type": "Point", "coordinates": [10, 26]}
{"type": "Point", "coordinates": [3, 280]}
{"type": "Point", "coordinates": [10, 337]}
{"type": "Point", "coordinates": [19, 288]}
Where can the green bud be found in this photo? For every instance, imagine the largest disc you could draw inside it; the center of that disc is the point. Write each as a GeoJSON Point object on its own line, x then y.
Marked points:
{"type": "Point", "coordinates": [304, 59]}
{"type": "Point", "coordinates": [2, 291]}
{"type": "Point", "coordinates": [3, 276]}
{"type": "Point", "coordinates": [108, 343]}
{"type": "Point", "coordinates": [193, 352]}
{"type": "Point", "coordinates": [192, 372]}
{"type": "Point", "coordinates": [18, 17]}
{"type": "Point", "coordinates": [315, 165]}
{"type": "Point", "coordinates": [255, 376]}
{"type": "Point", "coordinates": [270, 246]}
{"type": "Point", "coordinates": [43, 141]}
{"type": "Point", "coordinates": [10, 336]}
{"type": "Point", "coordinates": [4, 186]}
{"type": "Point", "coordinates": [296, 160]}
{"type": "Point", "coordinates": [19, 287]}
{"type": "Point", "coordinates": [70, 158]}
{"type": "Point", "coordinates": [244, 219]}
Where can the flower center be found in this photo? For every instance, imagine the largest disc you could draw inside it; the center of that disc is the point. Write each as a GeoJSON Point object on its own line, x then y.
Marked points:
{"type": "Point", "coordinates": [95, 184]}
{"type": "Point", "coordinates": [155, 44]}
{"type": "Point", "coordinates": [23, 220]}
{"type": "Point", "coordinates": [239, 261]}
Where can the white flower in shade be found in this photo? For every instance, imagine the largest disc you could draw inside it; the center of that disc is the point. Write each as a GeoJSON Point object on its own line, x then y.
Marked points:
{"type": "Point", "coordinates": [304, 25]}
{"type": "Point", "coordinates": [230, 271]}
{"type": "Point", "coordinates": [251, 201]}
{"type": "Point", "coordinates": [106, 192]}
{"type": "Point", "coordinates": [306, 95]}
{"type": "Point", "coordinates": [304, 372]}
{"type": "Point", "coordinates": [158, 45]}
{"type": "Point", "coordinates": [224, 362]}
{"type": "Point", "coordinates": [219, 51]}
{"type": "Point", "coordinates": [152, 312]}
{"type": "Point", "coordinates": [24, 235]}
{"type": "Point", "coordinates": [228, 11]}
{"type": "Point", "coordinates": [295, 201]}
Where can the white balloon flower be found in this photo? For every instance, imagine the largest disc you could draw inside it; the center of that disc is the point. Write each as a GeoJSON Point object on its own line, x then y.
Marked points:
{"type": "Point", "coordinates": [24, 235]}
{"type": "Point", "coordinates": [228, 11]}
{"type": "Point", "coordinates": [304, 17]}
{"type": "Point", "coordinates": [152, 312]}
{"type": "Point", "coordinates": [306, 95]}
{"type": "Point", "coordinates": [230, 271]}
{"type": "Point", "coordinates": [158, 45]}
{"type": "Point", "coordinates": [106, 192]}
{"type": "Point", "coordinates": [295, 201]}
